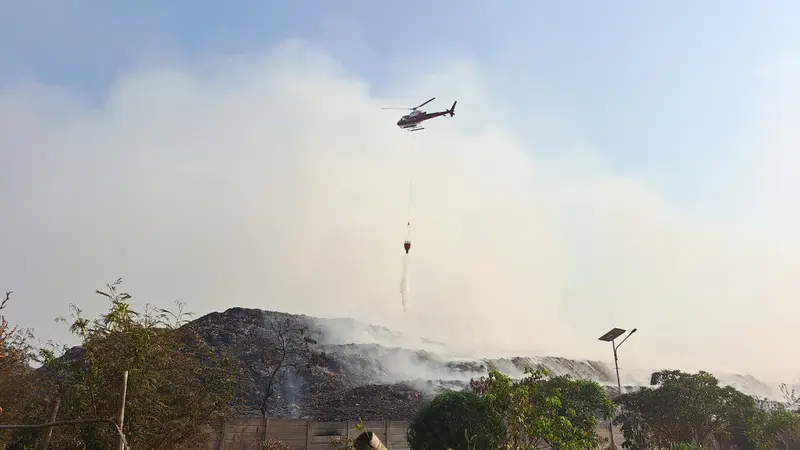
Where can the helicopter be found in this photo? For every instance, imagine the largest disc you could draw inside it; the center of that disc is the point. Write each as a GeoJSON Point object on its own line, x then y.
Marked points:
{"type": "Point", "coordinates": [412, 120]}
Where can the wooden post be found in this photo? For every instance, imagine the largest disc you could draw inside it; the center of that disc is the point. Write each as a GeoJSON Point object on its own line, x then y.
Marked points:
{"type": "Point", "coordinates": [221, 444]}
{"type": "Point", "coordinates": [49, 431]}
{"type": "Point", "coordinates": [386, 436]}
{"type": "Point", "coordinates": [123, 392]}
{"type": "Point", "coordinates": [308, 434]}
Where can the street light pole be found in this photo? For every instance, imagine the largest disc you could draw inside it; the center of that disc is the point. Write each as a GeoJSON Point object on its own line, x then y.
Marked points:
{"type": "Point", "coordinates": [611, 336]}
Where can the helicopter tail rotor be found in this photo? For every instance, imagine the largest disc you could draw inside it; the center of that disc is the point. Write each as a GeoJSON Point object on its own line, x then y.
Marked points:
{"type": "Point", "coordinates": [452, 110]}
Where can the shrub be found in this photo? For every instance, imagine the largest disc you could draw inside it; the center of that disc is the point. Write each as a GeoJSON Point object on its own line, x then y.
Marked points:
{"type": "Point", "coordinates": [445, 420]}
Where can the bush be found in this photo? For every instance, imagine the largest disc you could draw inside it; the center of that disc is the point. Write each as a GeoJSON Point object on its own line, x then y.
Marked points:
{"type": "Point", "coordinates": [178, 386]}
{"type": "Point", "coordinates": [274, 443]}
{"type": "Point", "coordinates": [455, 420]}
{"type": "Point", "coordinates": [342, 443]}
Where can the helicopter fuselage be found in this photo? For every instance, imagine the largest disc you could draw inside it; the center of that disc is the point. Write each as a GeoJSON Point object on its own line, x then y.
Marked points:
{"type": "Point", "coordinates": [413, 120]}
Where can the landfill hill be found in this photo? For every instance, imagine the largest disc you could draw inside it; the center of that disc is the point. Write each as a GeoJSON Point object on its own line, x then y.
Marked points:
{"type": "Point", "coordinates": [376, 373]}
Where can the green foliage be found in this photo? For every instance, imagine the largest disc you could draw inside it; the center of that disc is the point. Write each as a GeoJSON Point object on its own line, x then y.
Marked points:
{"type": "Point", "coordinates": [443, 422]}
{"type": "Point", "coordinates": [775, 428]}
{"type": "Point", "coordinates": [684, 446]}
{"type": "Point", "coordinates": [582, 401]}
{"type": "Point", "coordinates": [559, 412]}
{"type": "Point", "coordinates": [177, 392]}
{"type": "Point", "coordinates": [684, 408]}
{"type": "Point", "coordinates": [359, 427]}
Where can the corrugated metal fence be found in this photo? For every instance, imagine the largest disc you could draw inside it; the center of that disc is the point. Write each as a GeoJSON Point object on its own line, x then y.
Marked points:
{"type": "Point", "coordinates": [241, 434]}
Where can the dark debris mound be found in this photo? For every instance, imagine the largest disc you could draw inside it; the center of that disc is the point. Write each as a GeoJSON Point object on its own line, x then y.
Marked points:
{"type": "Point", "coordinates": [371, 402]}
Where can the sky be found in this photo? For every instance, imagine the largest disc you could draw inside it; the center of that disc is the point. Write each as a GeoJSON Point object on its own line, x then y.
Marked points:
{"type": "Point", "coordinates": [628, 164]}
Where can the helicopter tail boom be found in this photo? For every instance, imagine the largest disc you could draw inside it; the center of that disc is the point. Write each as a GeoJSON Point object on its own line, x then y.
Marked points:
{"type": "Point", "coordinates": [452, 110]}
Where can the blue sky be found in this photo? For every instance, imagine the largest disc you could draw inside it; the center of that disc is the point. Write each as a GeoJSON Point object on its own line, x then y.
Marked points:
{"type": "Point", "coordinates": [649, 84]}
{"type": "Point", "coordinates": [686, 106]}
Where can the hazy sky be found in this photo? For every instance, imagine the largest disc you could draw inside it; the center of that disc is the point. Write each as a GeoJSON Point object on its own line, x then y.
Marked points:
{"type": "Point", "coordinates": [628, 164]}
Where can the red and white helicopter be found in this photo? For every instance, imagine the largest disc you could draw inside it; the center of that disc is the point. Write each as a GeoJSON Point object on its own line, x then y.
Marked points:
{"type": "Point", "coordinates": [412, 120]}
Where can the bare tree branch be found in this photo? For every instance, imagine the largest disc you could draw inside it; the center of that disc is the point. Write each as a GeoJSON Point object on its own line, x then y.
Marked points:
{"type": "Point", "coordinates": [290, 349]}
{"type": "Point", "coordinates": [5, 333]}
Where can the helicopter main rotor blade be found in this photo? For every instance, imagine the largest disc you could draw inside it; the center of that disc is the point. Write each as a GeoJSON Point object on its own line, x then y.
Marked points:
{"type": "Point", "coordinates": [420, 106]}
{"type": "Point", "coordinates": [400, 109]}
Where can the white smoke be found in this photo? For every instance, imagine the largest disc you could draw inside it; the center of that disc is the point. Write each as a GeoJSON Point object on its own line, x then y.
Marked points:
{"type": "Point", "coordinates": [399, 357]}
{"type": "Point", "coordinates": [244, 183]}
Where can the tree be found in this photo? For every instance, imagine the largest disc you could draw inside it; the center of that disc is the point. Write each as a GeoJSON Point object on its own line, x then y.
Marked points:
{"type": "Point", "coordinates": [289, 348]}
{"type": "Point", "coordinates": [178, 390]}
{"type": "Point", "coordinates": [24, 392]}
{"type": "Point", "coordinates": [684, 408]}
{"type": "Point", "coordinates": [454, 420]}
{"type": "Point", "coordinates": [14, 369]}
{"type": "Point", "coordinates": [583, 402]}
{"type": "Point", "coordinates": [635, 424]}
{"type": "Point", "coordinates": [537, 411]}
{"type": "Point", "coordinates": [790, 397]}
{"type": "Point", "coordinates": [740, 408]}
{"type": "Point", "coordinates": [511, 403]}
{"type": "Point", "coordinates": [6, 332]}
{"type": "Point", "coordinates": [777, 426]}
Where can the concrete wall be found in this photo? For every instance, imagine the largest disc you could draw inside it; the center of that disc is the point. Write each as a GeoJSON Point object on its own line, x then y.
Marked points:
{"type": "Point", "coordinates": [241, 434]}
